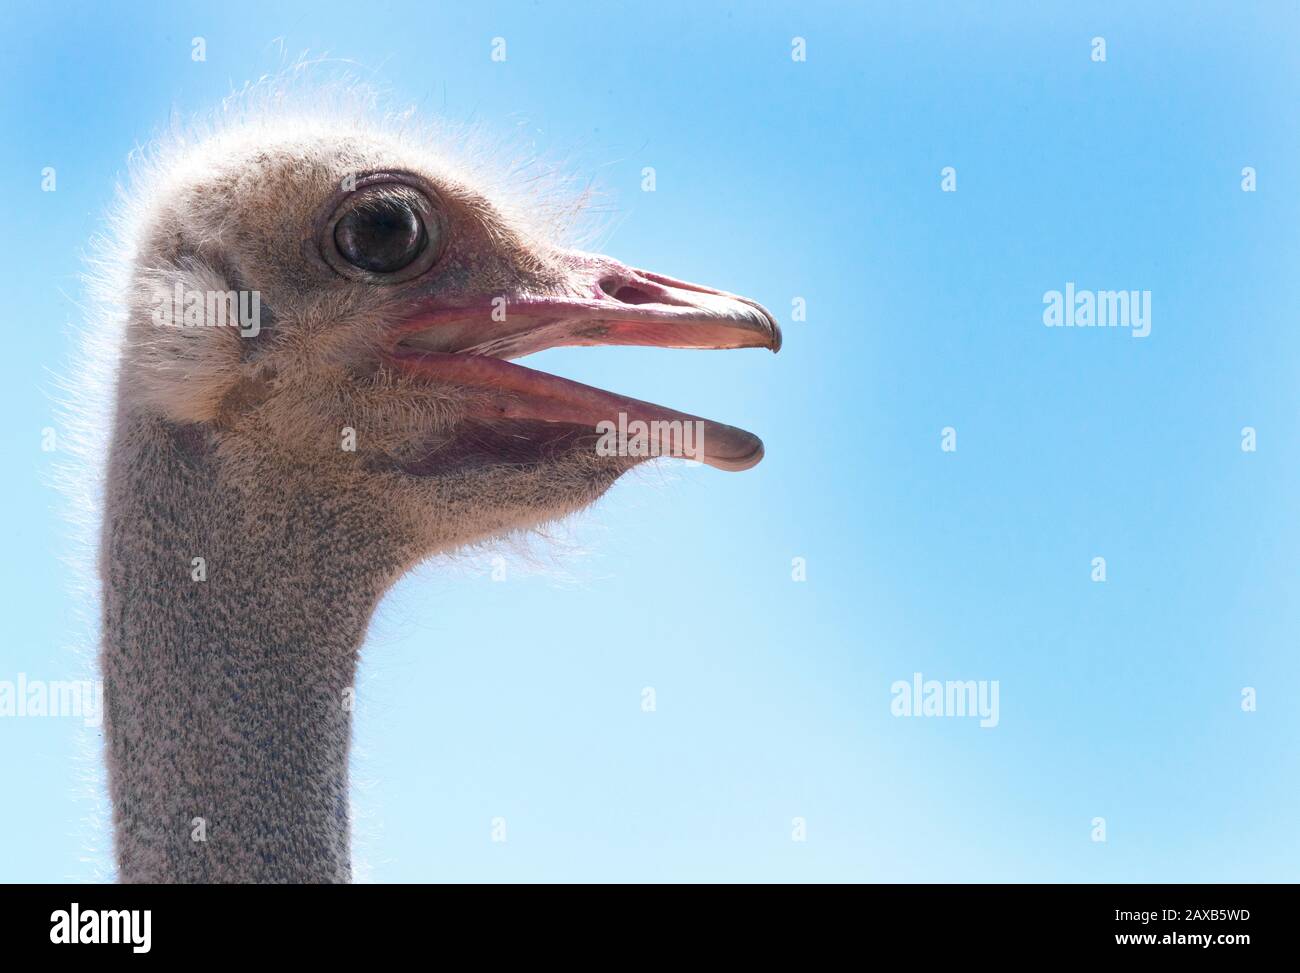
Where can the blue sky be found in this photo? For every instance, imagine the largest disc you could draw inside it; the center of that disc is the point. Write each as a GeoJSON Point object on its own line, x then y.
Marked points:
{"type": "Point", "coordinates": [779, 179]}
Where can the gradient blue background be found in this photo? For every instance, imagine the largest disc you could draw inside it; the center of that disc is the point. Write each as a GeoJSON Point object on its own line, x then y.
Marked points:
{"type": "Point", "coordinates": [521, 698]}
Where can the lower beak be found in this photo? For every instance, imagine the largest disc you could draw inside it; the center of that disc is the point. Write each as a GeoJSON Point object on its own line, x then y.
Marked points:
{"type": "Point", "coordinates": [604, 303]}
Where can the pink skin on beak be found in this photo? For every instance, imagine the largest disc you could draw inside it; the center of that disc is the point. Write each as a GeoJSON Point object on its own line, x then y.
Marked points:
{"type": "Point", "coordinates": [608, 304]}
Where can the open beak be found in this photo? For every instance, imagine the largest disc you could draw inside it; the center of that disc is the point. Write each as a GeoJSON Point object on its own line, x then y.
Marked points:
{"type": "Point", "coordinates": [605, 303]}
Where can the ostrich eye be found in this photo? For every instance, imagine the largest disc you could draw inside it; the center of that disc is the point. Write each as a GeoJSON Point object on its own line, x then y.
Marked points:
{"type": "Point", "coordinates": [382, 235]}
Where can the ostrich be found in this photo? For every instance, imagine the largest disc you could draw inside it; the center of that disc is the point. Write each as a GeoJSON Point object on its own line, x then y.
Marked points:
{"type": "Point", "coordinates": [346, 407]}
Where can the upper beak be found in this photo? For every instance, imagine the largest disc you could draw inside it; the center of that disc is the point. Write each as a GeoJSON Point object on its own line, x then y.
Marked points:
{"type": "Point", "coordinates": [603, 302]}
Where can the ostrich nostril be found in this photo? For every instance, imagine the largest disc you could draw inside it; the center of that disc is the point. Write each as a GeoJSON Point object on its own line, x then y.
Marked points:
{"type": "Point", "coordinates": [620, 290]}
{"type": "Point", "coordinates": [628, 294]}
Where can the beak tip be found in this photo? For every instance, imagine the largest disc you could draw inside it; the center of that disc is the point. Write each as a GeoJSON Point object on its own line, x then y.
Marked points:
{"type": "Point", "coordinates": [773, 329]}
{"type": "Point", "coordinates": [738, 464]}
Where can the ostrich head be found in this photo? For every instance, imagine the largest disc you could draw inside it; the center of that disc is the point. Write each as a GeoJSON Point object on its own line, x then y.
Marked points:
{"type": "Point", "coordinates": [368, 303]}
{"type": "Point", "coordinates": [315, 392]}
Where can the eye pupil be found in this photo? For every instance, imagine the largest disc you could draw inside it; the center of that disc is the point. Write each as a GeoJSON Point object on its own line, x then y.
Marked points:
{"type": "Point", "coordinates": [381, 236]}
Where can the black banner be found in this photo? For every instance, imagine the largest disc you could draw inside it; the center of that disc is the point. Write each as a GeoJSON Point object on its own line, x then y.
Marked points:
{"type": "Point", "coordinates": [152, 922]}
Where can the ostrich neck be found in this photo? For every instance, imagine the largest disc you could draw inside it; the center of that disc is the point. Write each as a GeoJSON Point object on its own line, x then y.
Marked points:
{"type": "Point", "coordinates": [227, 680]}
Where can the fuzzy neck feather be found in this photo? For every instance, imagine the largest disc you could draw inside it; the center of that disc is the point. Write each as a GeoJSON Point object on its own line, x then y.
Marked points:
{"type": "Point", "coordinates": [228, 699]}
